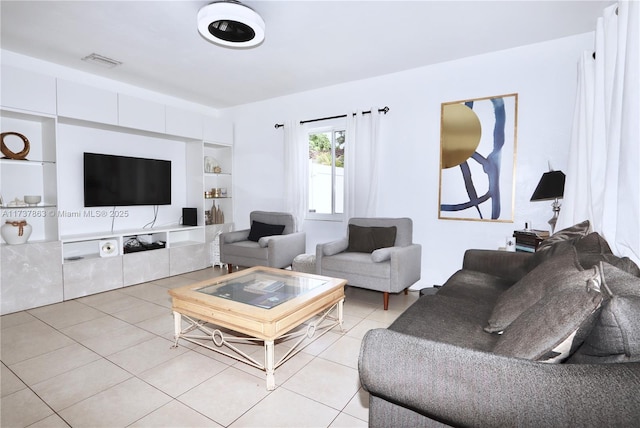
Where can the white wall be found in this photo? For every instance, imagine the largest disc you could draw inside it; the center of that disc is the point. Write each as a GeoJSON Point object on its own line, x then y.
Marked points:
{"type": "Point", "coordinates": [543, 75]}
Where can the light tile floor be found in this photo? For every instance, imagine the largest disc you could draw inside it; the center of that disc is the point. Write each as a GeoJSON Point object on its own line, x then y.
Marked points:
{"type": "Point", "coordinates": [106, 361]}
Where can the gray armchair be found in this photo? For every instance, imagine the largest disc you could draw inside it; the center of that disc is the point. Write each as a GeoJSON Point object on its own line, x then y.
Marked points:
{"type": "Point", "coordinates": [376, 261]}
{"type": "Point", "coordinates": [272, 240]}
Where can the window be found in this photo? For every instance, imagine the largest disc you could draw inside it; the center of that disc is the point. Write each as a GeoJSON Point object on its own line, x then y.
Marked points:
{"type": "Point", "coordinates": [326, 173]}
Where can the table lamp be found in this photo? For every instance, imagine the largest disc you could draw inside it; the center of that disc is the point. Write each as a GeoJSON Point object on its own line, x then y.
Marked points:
{"type": "Point", "coordinates": [551, 186]}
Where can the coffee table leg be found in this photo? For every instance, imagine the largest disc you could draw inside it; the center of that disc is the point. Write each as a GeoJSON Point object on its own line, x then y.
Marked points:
{"type": "Point", "coordinates": [341, 313]}
{"type": "Point", "coordinates": [177, 326]}
{"type": "Point", "coordinates": [269, 361]}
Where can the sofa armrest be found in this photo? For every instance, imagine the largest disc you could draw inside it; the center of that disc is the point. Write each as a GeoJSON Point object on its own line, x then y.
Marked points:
{"type": "Point", "coordinates": [406, 265]}
{"type": "Point", "coordinates": [283, 249]}
{"type": "Point", "coordinates": [503, 264]}
{"type": "Point", "coordinates": [234, 236]}
{"type": "Point", "coordinates": [465, 387]}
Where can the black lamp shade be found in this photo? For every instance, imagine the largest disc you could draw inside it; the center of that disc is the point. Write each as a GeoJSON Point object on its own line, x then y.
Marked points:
{"type": "Point", "coordinates": [551, 186]}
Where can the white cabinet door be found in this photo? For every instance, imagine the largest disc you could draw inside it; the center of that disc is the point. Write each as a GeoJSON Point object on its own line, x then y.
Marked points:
{"type": "Point", "coordinates": [26, 90]}
{"type": "Point", "coordinates": [91, 276]}
{"type": "Point", "coordinates": [87, 103]}
{"type": "Point", "coordinates": [141, 114]}
{"type": "Point", "coordinates": [218, 130]}
{"type": "Point", "coordinates": [184, 123]}
{"type": "Point", "coordinates": [31, 276]}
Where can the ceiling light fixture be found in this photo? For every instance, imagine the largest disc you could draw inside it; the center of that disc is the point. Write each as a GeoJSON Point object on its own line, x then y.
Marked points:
{"type": "Point", "coordinates": [230, 23]}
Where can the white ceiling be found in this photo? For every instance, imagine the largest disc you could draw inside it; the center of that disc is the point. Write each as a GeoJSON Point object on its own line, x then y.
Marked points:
{"type": "Point", "coordinates": [309, 44]}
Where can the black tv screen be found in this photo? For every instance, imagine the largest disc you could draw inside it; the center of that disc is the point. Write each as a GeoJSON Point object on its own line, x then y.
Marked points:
{"type": "Point", "coordinates": [123, 181]}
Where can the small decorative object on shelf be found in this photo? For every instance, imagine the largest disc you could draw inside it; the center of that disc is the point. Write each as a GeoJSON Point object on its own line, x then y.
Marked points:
{"type": "Point", "coordinates": [529, 239]}
{"type": "Point", "coordinates": [211, 165]}
{"type": "Point", "coordinates": [216, 216]}
{"type": "Point", "coordinates": [22, 154]}
{"type": "Point", "coordinates": [32, 200]}
{"type": "Point", "coordinates": [17, 203]}
{"type": "Point", "coordinates": [16, 231]}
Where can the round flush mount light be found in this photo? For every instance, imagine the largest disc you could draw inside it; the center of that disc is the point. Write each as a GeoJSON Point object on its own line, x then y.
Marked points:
{"type": "Point", "coordinates": [230, 23]}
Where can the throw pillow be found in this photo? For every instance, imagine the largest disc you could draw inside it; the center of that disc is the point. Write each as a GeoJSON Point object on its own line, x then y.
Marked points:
{"type": "Point", "coordinates": [558, 272]}
{"type": "Point", "coordinates": [547, 331]}
{"type": "Point", "coordinates": [259, 230]}
{"type": "Point", "coordinates": [574, 232]}
{"type": "Point", "coordinates": [559, 242]}
{"type": "Point", "coordinates": [615, 336]}
{"type": "Point", "coordinates": [367, 239]}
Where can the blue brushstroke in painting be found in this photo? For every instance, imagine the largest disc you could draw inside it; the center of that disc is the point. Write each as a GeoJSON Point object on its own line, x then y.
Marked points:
{"type": "Point", "coordinates": [490, 166]}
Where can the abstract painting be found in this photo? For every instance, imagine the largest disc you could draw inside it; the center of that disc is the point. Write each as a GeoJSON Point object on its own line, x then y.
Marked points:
{"type": "Point", "coordinates": [478, 158]}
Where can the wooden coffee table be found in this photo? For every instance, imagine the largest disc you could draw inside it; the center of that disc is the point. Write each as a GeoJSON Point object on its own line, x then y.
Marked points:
{"type": "Point", "coordinates": [260, 304]}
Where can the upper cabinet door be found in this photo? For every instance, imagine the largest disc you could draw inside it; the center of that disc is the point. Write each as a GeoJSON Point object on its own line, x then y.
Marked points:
{"type": "Point", "coordinates": [184, 123]}
{"type": "Point", "coordinates": [218, 130]}
{"type": "Point", "coordinates": [141, 114]}
{"type": "Point", "coordinates": [87, 103]}
{"type": "Point", "coordinates": [26, 90]}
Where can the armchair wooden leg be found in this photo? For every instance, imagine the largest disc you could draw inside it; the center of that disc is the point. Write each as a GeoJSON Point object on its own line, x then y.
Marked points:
{"type": "Point", "coordinates": [229, 268]}
{"type": "Point", "coordinates": [406, 291]}
{"type": "Point", "coordinates": [385, 298]}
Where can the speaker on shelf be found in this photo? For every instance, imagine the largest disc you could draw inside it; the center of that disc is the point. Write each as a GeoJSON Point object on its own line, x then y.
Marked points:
{"type": "Point", "coordinates": [108, 247]}
{"type": "Point", "coordinates": [189, 217]}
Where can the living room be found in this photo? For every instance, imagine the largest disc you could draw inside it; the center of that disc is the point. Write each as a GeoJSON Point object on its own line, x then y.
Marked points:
{"type": "Point", "coordinates": [543, 74]}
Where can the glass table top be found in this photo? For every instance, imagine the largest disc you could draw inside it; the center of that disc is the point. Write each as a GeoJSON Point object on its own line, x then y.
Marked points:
{"type": "Point", "coordinates": [262, 289]}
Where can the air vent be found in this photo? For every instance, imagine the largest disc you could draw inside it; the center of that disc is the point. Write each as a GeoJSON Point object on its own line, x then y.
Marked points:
{"type": "Point", "coordinates": [100, 60]}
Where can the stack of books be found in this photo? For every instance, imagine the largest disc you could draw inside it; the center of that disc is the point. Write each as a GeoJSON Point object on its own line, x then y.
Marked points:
{"type": "Point", "coordinates": [529, 239]}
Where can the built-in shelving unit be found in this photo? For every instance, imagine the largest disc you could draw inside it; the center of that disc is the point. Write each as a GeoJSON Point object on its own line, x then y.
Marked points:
{"type": "Point", "coordinates": [36, 175]}
{"type": "Point", "coordinates": [66, 256]}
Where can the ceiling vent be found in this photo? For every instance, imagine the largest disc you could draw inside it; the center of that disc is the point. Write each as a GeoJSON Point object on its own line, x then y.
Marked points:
{"type": "Point", "coordinates": [100, 60]}
{"type": "Point", "coordinates": [231, 24]}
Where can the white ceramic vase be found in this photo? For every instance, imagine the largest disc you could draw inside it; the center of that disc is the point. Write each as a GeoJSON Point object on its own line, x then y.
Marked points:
{"type": "Point", "coordinates": [15, 231]}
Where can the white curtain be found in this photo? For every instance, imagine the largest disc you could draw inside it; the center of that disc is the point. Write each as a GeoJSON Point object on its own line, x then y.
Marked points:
{"type": "Point", "coordinates": [362, 164]}
{"type": "Point", "coordinates": [296, 153]}
{"type": "Point", "coordinates": [603, 175]}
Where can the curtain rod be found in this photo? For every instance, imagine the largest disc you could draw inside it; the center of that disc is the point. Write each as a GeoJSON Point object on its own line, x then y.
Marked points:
{"type": "Point", "coordinates": [380, 110]}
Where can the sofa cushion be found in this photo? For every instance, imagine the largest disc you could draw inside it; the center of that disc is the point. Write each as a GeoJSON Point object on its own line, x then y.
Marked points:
{"type": "Point", "coordinates": [615, 336]}
{"type": "Point", "coordinates": [560, 271]}
{"type": "Point", "coordinates": [260, 230]}
{"type": "Point", "coordinates": [367, 239]}
{"type": "Point", "coordinates": [475, 287]}
{"type": "Point", "coordinates": [448, 319]}
{"type": "Point", "coordinates": [547, 331]}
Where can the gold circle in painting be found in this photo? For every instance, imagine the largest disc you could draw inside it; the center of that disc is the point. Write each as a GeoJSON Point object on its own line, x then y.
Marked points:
{"type": "Point", "coordinates": [461, 133]}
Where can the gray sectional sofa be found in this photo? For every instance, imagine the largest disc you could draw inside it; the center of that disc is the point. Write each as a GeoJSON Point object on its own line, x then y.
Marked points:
{"type": "Point", "coordinates": [515, 339]}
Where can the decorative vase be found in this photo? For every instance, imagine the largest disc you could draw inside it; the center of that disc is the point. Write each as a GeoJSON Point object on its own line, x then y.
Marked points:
{"type": "Point", "coordinates": [15, 231]}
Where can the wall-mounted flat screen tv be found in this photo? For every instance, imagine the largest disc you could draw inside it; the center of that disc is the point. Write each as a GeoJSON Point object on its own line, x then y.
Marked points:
{"type": "Point", "coordinates": [124, 181]}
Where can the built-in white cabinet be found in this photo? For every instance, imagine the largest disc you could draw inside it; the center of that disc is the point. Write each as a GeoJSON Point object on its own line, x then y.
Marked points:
{"type": "Point", "coordinates": [59, 115]}
{"type": "Point", "coordinates": [216, 130]}
{"type": "Point", "coordinates": [141, 114]}
{"type": "Point", "coordinates": [27, 90]}
{"type": "Point", "coordinates": [78, 101]}
{"type": "Point", "coordinates": [183, 123]}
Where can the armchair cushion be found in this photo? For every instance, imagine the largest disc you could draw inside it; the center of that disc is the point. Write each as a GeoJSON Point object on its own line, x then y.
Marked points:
{"type": "Point", "coordinates": [259, 230]}
{"type": "Point", "coordinates": [367, 239]}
